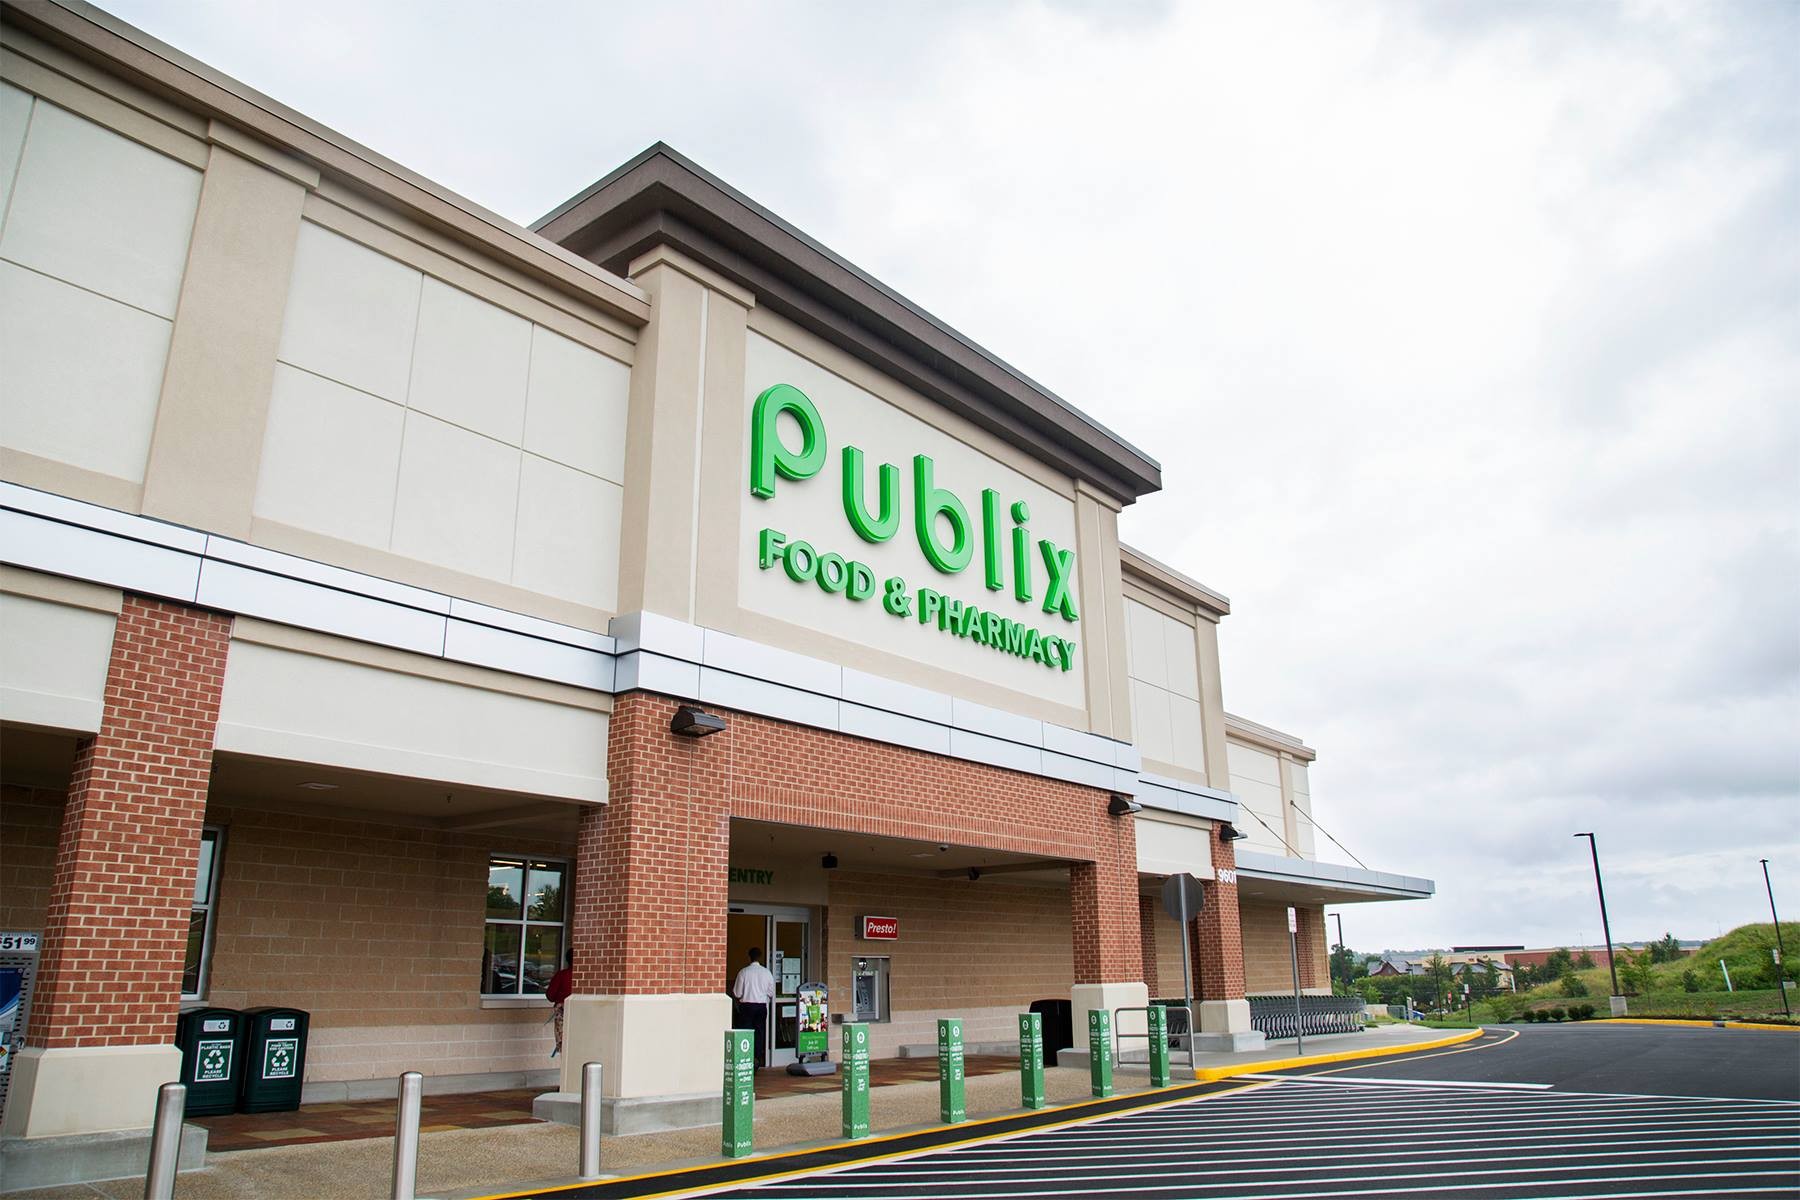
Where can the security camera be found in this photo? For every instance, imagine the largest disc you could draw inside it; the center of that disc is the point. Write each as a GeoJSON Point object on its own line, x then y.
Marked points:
{"type": "Point", "coordinates": [943, 849]}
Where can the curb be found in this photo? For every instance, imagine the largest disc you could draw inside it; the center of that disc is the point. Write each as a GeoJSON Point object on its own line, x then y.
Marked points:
{"type": "Point", "coordinates": [1696, 1023]}
{"type": "Point", "coordinates": [1214, 1074]}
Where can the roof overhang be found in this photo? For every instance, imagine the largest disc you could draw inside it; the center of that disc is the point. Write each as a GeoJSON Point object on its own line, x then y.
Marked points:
{"type": "Point", "coordinates": [663, 198]}
{"type": "Point", "coordinates": [1303, 881]}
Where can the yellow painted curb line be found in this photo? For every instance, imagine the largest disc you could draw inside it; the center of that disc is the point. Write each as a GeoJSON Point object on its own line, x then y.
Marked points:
{"type": "Point", "coordinates": [1695, 1024]}
{"type": "Point", "coordinates": [1213, 1074]}
{"type": "Point", "coordinates": [1760, 1025]}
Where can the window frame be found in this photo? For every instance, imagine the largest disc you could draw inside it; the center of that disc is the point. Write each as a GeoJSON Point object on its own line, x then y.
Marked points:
{"type": "Point", "coordinates": [211, 907]}
{"type": "Point", "coordinates": [524, 923]}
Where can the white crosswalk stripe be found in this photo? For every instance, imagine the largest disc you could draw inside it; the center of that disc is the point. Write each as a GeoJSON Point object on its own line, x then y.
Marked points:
{"type": "Point", "coordinates": [1315, 1137]}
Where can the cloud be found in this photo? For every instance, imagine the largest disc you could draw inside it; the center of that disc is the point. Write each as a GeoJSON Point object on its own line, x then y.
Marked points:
{"type": "Point", "coordinates": [1465, 335]}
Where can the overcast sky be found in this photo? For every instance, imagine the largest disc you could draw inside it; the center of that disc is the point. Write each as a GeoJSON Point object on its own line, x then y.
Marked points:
{"type": "Point", "coordinates": [1467, 335]}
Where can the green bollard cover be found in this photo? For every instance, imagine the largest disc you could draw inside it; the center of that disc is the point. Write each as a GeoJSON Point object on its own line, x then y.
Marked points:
{"type": "Point", "coordinates": [1031, 1060]}
{"type": "Point", "coordinates": [1159, 1046]}
{"type": "Point", "coordinates": [951, 1109]}
{"type": "Point", "coordinates": [1100, 1052]}
{"type": "Point", "coordinates": [855, 1069]}
{"type": "Point", "coordinates": [740, 1093]}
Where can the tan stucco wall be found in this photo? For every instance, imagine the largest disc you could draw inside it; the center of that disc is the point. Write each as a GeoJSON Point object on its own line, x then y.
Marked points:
{"type": "Point", "coordinates": [175, 348]}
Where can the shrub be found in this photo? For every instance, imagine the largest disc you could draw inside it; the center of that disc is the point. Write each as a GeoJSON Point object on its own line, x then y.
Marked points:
{"type": "Point", "coordinates": [1558, 1013]}
{"type": "Point", "coordinates": [1582, 1012]}
{"type": "Point", "coordinates": [1690, 981]}
{"type": "Point", "coordinates": [1572, 986]}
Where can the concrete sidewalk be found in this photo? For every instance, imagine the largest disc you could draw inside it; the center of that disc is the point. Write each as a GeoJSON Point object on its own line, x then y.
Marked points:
{"type": "Point", "coordinates": [474, 1162]}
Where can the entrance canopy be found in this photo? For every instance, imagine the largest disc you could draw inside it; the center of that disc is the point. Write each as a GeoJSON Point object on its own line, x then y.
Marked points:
{"type": "Point", "coordinates": [1303, 881]}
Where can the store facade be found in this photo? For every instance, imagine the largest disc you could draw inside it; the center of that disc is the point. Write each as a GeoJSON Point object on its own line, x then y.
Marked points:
{"type": "Point", "coordinates": [396, 600]}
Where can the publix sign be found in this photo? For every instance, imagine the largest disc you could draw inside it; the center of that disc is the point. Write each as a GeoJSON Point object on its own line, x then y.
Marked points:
{"type": "Point", "coordinates": [1026, 572]}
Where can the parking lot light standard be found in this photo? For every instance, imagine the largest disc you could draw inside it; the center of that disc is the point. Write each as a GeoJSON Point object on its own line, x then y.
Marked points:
{"type": "Point", "coordinates": [1606, 929]}
{"type": "Point", "coordinates": [1780, 950]}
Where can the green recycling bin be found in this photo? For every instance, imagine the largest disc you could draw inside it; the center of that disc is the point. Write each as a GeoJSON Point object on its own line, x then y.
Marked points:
{"type": "Point", "coordinates": [211, 1041]}
{"type": "Point", "coordinates": [274, 1059]}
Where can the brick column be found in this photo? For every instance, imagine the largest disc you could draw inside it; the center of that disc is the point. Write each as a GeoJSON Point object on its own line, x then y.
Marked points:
{"type": "Point", "coordinates": [1315, 969]}
{"type": "Point", "coordinates": [1218, 944]}
{"type": "Point", "coordinates": [650, 873]}
{"type": "Point", "coordinates": [650, 905]}
{"type": "Point", "coordinates": [1103, 898]}
{"type": "Point", "coordinates": [1103, 918]}
{"type": "Point", "coordinates": [115, 930]}
{"type": "Point", "coordinates": [1149, 912]}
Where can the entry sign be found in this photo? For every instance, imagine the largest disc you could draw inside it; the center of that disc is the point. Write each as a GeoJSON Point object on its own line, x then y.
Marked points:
{"type": "Point", "coordinates": [1159, 1045]}
{"type": "Point", "coordinates": [951, 1109]}
{"type": "Point", "coordinates": [856, 1080]}
{"type": "Point", "coordinates": [1100, 1052]}
{"type": "Point", "coordinates": [1175, 888]}
{"type": "Point", "coordinates": [739, 1112]}
{"type": "Point", "coordinates": [1031, 1060]}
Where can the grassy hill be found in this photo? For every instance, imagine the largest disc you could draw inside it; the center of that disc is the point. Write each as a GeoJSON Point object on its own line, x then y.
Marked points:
{"type": "Point", "coordinates": [1745, 951]}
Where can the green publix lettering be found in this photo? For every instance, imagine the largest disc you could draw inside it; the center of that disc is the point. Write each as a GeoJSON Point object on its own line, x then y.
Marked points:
{"type": "Point", "coordinates": [934, 509]}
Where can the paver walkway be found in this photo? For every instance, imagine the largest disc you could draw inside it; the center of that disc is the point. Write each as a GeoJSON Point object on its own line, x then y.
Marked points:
{"type": "Point", "coordinates": [347, 1120]}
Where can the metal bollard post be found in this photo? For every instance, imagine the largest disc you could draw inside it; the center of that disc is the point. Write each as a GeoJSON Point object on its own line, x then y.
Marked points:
{"type": "Point", "coordinates": [406, 1137]}
{"type": "Point", "coordinates": [165, 1142]}
{"type": "Point", "coordinates": [590, 1120]}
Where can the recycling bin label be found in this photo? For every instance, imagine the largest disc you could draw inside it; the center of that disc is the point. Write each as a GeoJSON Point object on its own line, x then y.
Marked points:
{"type": "Point", "coordinates": [279, 1058]}
{"type": "Point", "coordinates": [212, 1061]}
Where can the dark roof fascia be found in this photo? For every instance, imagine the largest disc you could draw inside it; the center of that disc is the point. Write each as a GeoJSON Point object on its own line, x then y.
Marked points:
{"type": "Point", "coordinates": [661, 197]}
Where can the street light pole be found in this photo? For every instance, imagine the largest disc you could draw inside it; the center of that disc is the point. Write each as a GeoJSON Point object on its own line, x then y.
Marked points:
{"type": "Point", "coordinates": [1780, 950]}
{"type": "Point", "coordinates": [1612, 965]}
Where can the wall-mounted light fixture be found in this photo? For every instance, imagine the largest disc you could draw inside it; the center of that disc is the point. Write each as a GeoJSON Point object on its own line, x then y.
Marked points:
{"type": "Point", "coordinates": [695, 723]}
{"type": "Point", "coordinates": [1230, 833]}
{"type": "Point", "coordinates": [829, 862]}
{"type": "Point", "coordinates": [1122, 806]}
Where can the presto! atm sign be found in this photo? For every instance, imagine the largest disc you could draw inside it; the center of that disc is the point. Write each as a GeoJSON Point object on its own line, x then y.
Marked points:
{"type": "Point", "coordinates": [878, 929]}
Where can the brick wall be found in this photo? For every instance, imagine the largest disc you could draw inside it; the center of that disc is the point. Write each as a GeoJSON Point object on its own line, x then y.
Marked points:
{"type": "Point", "coordinates": [1266, 964]}
{"type": "Point", "coordinates": [651, 891]}
{"type": "Point", "coordinates": [1218, 949]}
{"type": "Point", "coordinates": [1167, 932]}
{"type": "Point", "coordinates": [359, 921]}
{"type": "Point", "coordinates": [117, 917]}
{"type": "Point", "coordinates": [30, 821]}
{"type": "Point", "coordinates": [962, 944]}
{"type": "Point", "coordinates": [1149, 912]}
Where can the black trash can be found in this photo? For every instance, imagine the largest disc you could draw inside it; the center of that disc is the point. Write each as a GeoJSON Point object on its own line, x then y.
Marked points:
{"type": "Point", "coordinates": [1059, 1026]}
{"type": "Point", "coordinates": [211, 1041]}
{"type": "Point", "coordinates": [274, 1059]}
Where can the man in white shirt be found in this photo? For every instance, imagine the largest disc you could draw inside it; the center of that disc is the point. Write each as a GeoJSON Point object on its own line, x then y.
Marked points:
{"type": "Point", "coordinates": [753, 989]}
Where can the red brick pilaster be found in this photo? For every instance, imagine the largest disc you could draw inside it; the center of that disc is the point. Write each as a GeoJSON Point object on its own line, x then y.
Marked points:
{"type": "Point", "coordinates": [1103, 897]}
{"type": "Point", "coordinates": [116, 927]}
{"type": "Point", "coordinates": [651, 866]}
{"type": "Point", "coordinates": [1149, 912]}
{"type": "Point", "coordinates": [1218, 944]}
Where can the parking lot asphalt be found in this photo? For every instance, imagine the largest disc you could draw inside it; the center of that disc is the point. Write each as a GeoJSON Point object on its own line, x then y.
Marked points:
{"type": "Point", "coordinates": [1596, 1056]}
{"type": "Point", "coordinates": [1560, 1113]}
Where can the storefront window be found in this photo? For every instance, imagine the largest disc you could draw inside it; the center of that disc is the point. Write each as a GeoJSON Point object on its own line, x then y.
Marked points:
{"type": "Point", "coordinates": [200, 918]}
{"type": "Point", "coordinates": [526, 908]}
